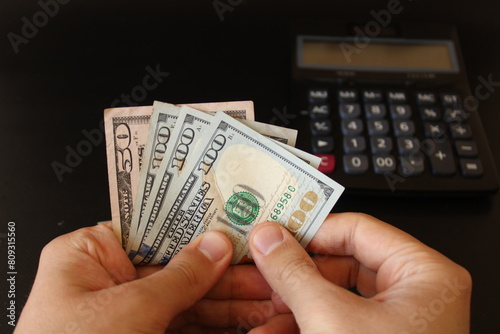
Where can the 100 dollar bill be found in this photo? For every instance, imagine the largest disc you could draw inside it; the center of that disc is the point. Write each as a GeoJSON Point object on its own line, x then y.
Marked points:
{"type": "Point", "coordinates": [186, 135]}
{"type": "Point", "coordinates": [240, 179]}
{"type": "Point", "coordinates": [190, 128]}
{"type": "Point", "coordinates": [127, 130]}
{"type": "Point", "coordinates": [160, 129]}
{"type": "Point", "coordinates": [235, 109]}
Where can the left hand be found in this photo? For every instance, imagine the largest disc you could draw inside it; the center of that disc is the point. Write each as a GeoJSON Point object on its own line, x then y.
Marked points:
{"type": "Point", "coordinates": [86, 284]}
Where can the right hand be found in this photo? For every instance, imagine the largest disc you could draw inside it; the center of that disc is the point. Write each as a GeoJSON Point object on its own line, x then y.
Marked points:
{"type": "Point", "coordinates": [405, 286]}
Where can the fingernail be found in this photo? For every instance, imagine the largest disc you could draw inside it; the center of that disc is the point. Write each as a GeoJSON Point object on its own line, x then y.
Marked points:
{"type": "Point", "coordinates": [213, 246]}
{"type": "Point", "coordinates": [267, 239]}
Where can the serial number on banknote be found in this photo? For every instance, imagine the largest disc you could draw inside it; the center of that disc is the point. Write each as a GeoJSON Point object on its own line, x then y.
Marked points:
{"type": "Point", "coordinates": [299, 216]}
{"type": "Point", "coordinates": [281, 204]}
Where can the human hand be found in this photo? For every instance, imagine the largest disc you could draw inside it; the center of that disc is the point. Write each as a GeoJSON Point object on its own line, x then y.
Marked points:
{"type": "Point", "coordinates": [405, 286]}
{"type": "Point", "coordinates": [86, 284]}
{"type": "Point", "coordinates": [240, 301]}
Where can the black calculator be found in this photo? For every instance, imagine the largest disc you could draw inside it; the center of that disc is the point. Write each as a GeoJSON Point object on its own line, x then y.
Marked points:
{"type": "Point", "coordinates": [389, 109]}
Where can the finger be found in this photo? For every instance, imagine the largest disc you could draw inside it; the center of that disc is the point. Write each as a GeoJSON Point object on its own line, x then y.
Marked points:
{"type": "Point", "coordinates": [197, 329]}
{"type": "Point", "coordinates": [95, 249]}
{"type": "Point", "coordinates": [354, 234]}
{"type": "Point", "coordinates": [144, 271]}
{"type": "Point", "coordinates": [243, 314]}
{"type": "Point", "coordinates": [241, 282]}
{"type": "Point", "coordinates": [279, 304]}
{"type": "Point", "coordinates": [340, 270]}
{"type": "Point", "coordinates": [380, 247]}
{"type": "Point", "coordinates": [293, 275]}
{"type": "Point", "coordinates": [74, 269]}
{"type": "Point", "coordinates": [347, 272]}
{"type": "Point", "coordinates": [186, 278]}
{"type": "Point", "coordinates": [281, 324]}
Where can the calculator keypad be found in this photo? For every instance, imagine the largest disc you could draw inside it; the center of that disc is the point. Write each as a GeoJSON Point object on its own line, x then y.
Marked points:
{"type": "Point", "coordinates": [392, 131]}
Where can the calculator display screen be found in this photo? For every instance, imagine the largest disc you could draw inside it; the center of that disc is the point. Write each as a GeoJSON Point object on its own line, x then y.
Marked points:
{"type": "Point", "coordinates": [395, 55]}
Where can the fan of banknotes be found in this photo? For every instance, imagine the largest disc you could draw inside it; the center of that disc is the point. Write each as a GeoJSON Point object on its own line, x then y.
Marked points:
{"type": "Point", "coordinates": [176, 171]}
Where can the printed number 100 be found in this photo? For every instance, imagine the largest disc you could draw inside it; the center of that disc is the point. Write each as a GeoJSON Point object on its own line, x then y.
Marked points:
{"type": "Point", "coordinates": [307, 203]}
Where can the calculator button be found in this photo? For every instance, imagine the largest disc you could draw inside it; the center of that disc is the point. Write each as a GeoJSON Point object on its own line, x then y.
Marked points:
{"type": "Point", "coordinates": [352, 127]}
{"type": "Point", "coordinates": [430, 113]}
{"type": "Point", "coordinates": [355, 164]}
{"type": "Point", "coordinates": [396, 97]}
{"type": "Point", "coordinates": [354, 144]}
{"type": "Point", "coordinates": [321, 127]}
{"type": "Point", "coordinates": [327, 164]}
{"type": "Point", "coordinates": [322, 145]}
{"type": "Point", "coordinates": [347, 95]}
{"type": "Point", "coordinates": [400, 111]}
{"type": "Point", "coordinates": [434, 130]}
{"type": "Point", "coordinates": [318, 95]}
{"type": "Point", "coordinates": [404, 128]}
{"type": "Point", "coordinates": [349, 110]}
{"type": "Point", "coordinates": [381, 144]}
{"type": "Point", "coordinates": [378, 127]}
{"type": "Point", "coordinates": [461, 131]}
{"type": "Point", "coordinates": [372, 95]}
{"type": "Point", "coordinates": [426, 98]}
{"type": "Point", "coordinates": [471, 167]}
{"type": "Point", "coordinates": [319, 111]}
{"type": "Point", "coordinates": [375, 110]}
{"type": "Point", "coordinates": [450, 99]}
{"type": "Point", "coordinates": [412, 164]}
{"type": "Point", "coordinates": [442, 161]}
{"type": "Point", "coordinates": [454, 115]}
{"type": "Point", "coordinates": [467, 149]}
{"type": "Point", "coordinates": [407, 145]}
{"type": "Point", "coordinates": [384, 164]}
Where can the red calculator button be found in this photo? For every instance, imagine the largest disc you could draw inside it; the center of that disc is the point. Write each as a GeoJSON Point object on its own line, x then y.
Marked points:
{"type": "Point", "coordinates": [327, 164]}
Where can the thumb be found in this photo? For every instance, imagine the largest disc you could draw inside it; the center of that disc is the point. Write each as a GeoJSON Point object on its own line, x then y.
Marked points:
{"type": "Point", "coordinates": [185, 280]}
{"type": "Point", "coordinates": [292, 274]}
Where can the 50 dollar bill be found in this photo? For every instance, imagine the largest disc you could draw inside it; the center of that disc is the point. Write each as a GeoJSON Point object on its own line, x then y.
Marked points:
{"type": "Point", "coordinates": [126, 133]}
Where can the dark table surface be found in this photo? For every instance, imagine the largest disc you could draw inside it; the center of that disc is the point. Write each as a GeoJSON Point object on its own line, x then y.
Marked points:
{"type": "Point", "coordinates": [87, 54]}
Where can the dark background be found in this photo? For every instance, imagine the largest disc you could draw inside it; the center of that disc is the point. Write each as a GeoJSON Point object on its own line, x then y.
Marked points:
{"type": "Point", "coordinates": [91, 52]}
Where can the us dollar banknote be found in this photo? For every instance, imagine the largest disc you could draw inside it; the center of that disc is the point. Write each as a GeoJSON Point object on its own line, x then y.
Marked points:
{"type": "Point", "coordinates": [238, 179]}
{"type": "Point", "coordinates": [308, 158]}
{"type": "Point", "coordinates": [282, 135]}
{"type": "Point", "coordinates": [190, 128]}
{"type": "Point", "coordinates": [127, 130]}
{"type": "Point", "coordinates": [162, 123]}
{"type": "Point", "coordinates": [192, 124]}
{"type": "Point", "coordinates": [126, 133]}
{"type": "Point", "coordinates": [235, 109]}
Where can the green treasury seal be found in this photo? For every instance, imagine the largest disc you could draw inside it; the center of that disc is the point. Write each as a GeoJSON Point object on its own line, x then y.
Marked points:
{"type": "Point", "coordinates": [242, 208]}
